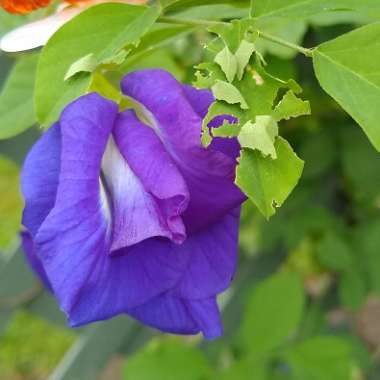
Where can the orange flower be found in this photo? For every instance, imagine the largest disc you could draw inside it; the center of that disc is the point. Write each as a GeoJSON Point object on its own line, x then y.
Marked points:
{"type": "Point", "coordinates": [23, 6]}
{"type": "Point", "coordinates": [27, 6]}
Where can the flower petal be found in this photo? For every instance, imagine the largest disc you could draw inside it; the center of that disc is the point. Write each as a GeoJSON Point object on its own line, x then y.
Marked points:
{"type": "Point", "coordinates": [212, 263]}
{"type": "Point", "coordinates": [135, 212]}
{"type": "Point", "coordinates": [178, 316]}
{"type": "Point", "coordinates": [209, 174]}
{"type": "Point", "coordinates": [200, 100]}
{"type": "Point", "coordinates": [39, 178]}
{"type": "Point", "coordinates": [122, 281]}
{"type": "Point", "coordinates": [200, 268]}
{"type": "Point", "coordinates": [146, 156]}
{"type": "Point", "coordinates": [77, 222]}
{"type": "Point", "coordinates": [74, 241]}
{"type": "Point", "coordinates": [33, 260]}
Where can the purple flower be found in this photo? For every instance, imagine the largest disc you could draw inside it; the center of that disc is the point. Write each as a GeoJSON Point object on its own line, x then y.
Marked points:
{"type": "Point", "coordinates": [131, 216]}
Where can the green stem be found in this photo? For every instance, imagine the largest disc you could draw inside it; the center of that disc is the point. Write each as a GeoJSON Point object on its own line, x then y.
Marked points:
{"type": "Point", "coordinates": [280, 41]}
{"type": "Point", "coordinates": [208, 23]}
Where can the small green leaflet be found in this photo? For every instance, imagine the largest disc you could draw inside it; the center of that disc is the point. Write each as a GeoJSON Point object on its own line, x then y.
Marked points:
{"type": "Point", "coordinates": [121, 25]}
{"type": "Point", "coordinates": [227, 130]}
{"type": "Point", "coordinates": [243, 56]}
{"type": "Point", "coordinates": [347, 70]}
{"type": "Point", "coordinates": [228, 63]}
{"type": "Point", "coordinates": [229, 93]}
{"type": "Point", "coordinates": [291, 106]}
{"type": "Point", "coordinates": [269, 182]}
{"type": "Point", "coordinates": [260, 135]}
{"type": "Point", "coordinates": [16, 98]}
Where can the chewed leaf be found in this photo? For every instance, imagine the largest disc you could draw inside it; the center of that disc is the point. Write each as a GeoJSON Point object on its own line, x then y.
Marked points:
{"type": "Point", "coordinates": [216, 109]}
{"type": "Point", "coordinates": [243, 56]}
{"type": "Point", "coordinates": [227, 130]}
{"type": "Point", "coordinates": [291, 106]}
{"type": "Point", "coordinates": [208, 73]}
{"type": "Point", "coordinates": [229, 93]}
{"type": "Point", "coordinates": [233, 33]}
{"type": "Point", "coordinates": [260, 135]}
{"type": "Point", "coordinates": [268, 182]}
{"type": "Point", "coordinates": [227, 61]}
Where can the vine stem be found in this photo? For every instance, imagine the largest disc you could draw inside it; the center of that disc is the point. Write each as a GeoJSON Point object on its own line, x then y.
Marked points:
{"type": "Point", "coordinates": [263, 35]}
{"type": "Point", "coordinates": [280, 41]}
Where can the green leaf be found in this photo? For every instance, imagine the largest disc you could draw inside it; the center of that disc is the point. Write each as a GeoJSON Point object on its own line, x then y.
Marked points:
{"type": "Point", "coordinates": [273, 313]}
{"type": "Point", "coordinates": [167, 360]}
{"type": "Point", "coordinates": [334, 253]}
{"type": "Point", "coordinates": [249, 368]}
{"type": "Point", "coordinates": [207, 74]}
{"type": "Point", "coordinates": [269, 182]}
{"type": "Point", "coordinates": [233, 33]}
{"type": "Point", "coordinates": [88, 64]}
{"type": "Point", "coordinates": [352, 289]}
{"type": "Point", "coordinates": [120, 25]}
{"type": "Point", "coordinates": [361, 166]}
{"type": "Point", "coordinates": [229, 93]}
{"type": "Point", "coordinates": [291, 106]}
{"type": "Point", "coordinates": [11, 205]}
{"type": "Point", "coordinates": [16, 98]}
{"type": "Point", "coordinates": [220, 108]}
{"type": "Point", "coordinates": [103, 87]}
{"type": "Point", "coordinates": [243, 55]}
{"type": "Point", "coordinates": [179, 5]}
{"type": "Point", "coordinates": [260, 91]}
{"type": "Point", "coordinates": [260, 135]}
{"type": "Point", "coordinates": [322, 358]}
{"type": "Point", "coordinates": [306, 8]}
{"type": "Point", "coordinates": [227, 130]}
{"type": "Point", "coordinates": [227, 61]}
{"type": "Point", "coordinates": [367, 242]}
{"type": "Point", "coordinates": [346, 69]}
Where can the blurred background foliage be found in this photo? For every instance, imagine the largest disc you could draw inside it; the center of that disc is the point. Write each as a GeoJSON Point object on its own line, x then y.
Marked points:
{"type": "Point", "coordinates": [306, 301]}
